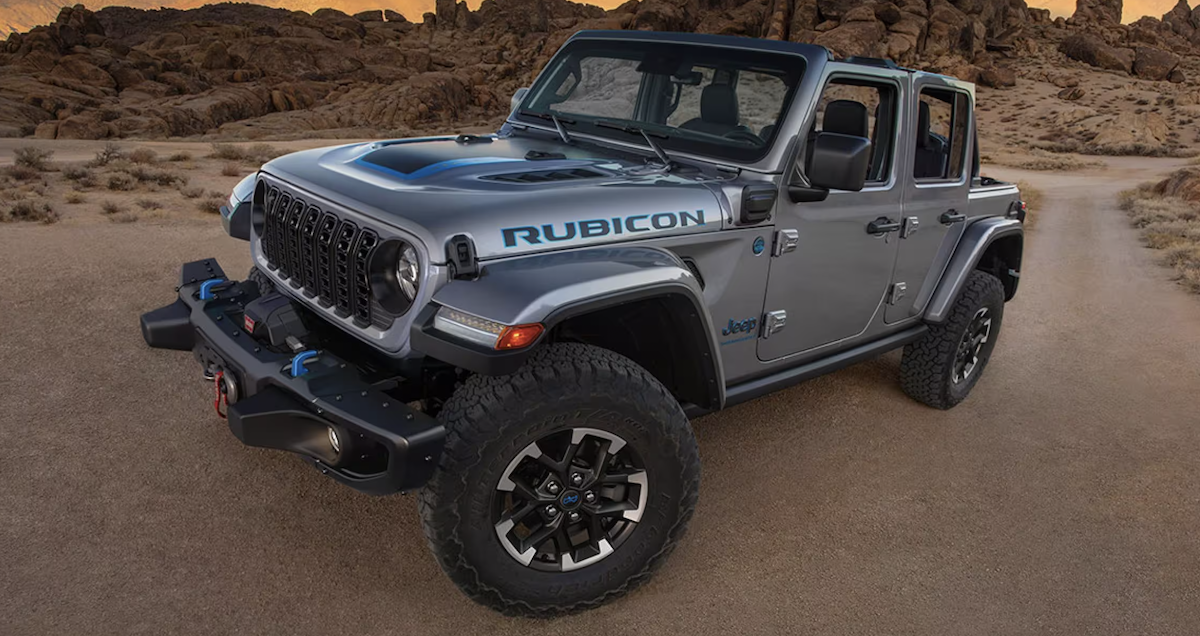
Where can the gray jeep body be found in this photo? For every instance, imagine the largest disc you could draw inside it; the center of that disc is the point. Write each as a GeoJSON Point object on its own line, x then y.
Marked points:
{"type": "Point", "coordinates": [551, 249]}
{"type": "Point", "coordinates": [667, 267]}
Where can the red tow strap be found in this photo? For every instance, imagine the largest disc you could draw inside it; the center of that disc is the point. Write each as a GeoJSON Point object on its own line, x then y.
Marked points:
{"type": "Point", "coordinates": [220, 397]}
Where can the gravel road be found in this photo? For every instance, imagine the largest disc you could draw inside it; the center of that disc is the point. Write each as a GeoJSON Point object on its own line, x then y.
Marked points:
{"type": "Point", "coordinates": [1062, 498]}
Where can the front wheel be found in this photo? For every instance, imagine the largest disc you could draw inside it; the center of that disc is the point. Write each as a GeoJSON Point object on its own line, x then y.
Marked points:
{"type": "Point", "coordinates": [563, 485]}
{"type": "Point", "coordinates": [943, 366]}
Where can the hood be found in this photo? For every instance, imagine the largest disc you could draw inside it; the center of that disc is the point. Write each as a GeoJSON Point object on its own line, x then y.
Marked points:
{"type": "Point", "coordinates": [511, 195]}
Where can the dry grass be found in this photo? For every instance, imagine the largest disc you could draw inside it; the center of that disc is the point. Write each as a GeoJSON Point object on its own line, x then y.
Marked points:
{"type": "Point", "coordinates": [121, 182]}
{"type": "Point", "coordinates": [143, 155]}
{"type": "Point", "coordinates": [192, 193]}
{"type": "Point", "coordinates": [30, 211]}
{"type": "Point", "coordinates": [74, 198]}
{"type": "Point", "coordinates": [110, 208]}
{"type": "Point", "coordinates": [256, 154]}
{"type": "Point", "coordinates": [212, 206]}
{"type": "Point", "coordinates": [1170, 224]}
{"type": "Point", "coordinates": [124, 217]}
{"type": "Point", "coordinates": [23, 173]}
{"type": "Point", "coordinates": [1033, 202]}
{"type": "Point", "coordinates": [180, 156]}
{"type": "Point", "coordinates": [149, 204]}
{"type": "Point", "coordinates": [1042, 160]}
{"type": "Point", "coordinates": [231, 170]}
{"type": "Point", "coordinates": [82, 177]}
{"type": "Point", "coordinates": [32, 158]}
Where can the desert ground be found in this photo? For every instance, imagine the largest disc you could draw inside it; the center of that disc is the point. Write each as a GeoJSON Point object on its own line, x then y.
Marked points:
{"type": "Point", "coordinates": [1061, 498]}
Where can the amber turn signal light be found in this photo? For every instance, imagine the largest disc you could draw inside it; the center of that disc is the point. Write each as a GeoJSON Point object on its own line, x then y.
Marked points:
{"type": "Point", "coordinates": [519, 337]}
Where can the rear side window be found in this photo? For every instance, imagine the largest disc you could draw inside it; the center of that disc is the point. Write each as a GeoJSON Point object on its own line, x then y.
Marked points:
{"type": "Point", "coordinates": [943, 125]}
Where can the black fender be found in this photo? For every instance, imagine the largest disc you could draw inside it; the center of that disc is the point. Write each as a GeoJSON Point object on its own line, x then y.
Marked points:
{"type": "Point", "coordinates": [554, 288]}
{"type": "Point", "coordinates": [977, 240]}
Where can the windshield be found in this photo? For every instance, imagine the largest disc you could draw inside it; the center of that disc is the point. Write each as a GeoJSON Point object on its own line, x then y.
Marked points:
{"type": "Point", "coordinates": [704, 100]}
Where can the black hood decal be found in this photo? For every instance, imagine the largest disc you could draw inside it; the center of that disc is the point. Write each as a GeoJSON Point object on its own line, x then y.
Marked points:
{"type": "Point", "coordinates": [417, 159]}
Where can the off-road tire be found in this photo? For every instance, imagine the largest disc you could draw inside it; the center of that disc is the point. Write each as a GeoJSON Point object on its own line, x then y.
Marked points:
{"type": "Point", "coordinates": [265, 286]}
{"type": "Point", "coordinates": [489, 419]}
{"type": "Point", "coordinates": [927, 367]}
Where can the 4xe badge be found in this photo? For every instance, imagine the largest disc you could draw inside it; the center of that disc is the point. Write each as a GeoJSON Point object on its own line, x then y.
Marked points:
{"type": "Point", "coordinates": [740, 326]}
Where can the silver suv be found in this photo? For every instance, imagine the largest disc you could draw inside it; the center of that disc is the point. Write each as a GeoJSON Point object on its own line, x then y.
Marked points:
{"type": "Point", "coordinates": [521, 325]}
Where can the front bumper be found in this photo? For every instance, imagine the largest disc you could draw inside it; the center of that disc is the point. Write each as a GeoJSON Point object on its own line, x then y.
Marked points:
{"type": "Point", "coordinates": [387, 446]}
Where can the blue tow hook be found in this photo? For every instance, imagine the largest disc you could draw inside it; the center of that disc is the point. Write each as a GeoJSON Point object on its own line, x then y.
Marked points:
{"type": "Point", "coordinates": [298, 362]}
{"type": "Point", "coordinates": [206, 288]}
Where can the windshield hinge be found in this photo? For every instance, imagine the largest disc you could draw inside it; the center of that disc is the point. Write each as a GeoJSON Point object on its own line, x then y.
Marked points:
{"type": "Point", "coordinates": [460, 254]}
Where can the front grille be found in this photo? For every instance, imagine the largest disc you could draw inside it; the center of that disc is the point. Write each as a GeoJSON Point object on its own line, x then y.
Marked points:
{"type": "Point", "coordinates": [324, 256]}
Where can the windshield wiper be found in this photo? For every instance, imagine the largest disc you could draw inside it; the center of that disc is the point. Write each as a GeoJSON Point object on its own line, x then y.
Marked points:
{"type": "Point", "coordinates": [635, 130]}
{"type": "Point", "coordinates": [558, 123]}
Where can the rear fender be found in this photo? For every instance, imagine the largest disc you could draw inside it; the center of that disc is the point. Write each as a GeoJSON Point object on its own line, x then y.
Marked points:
{"type": "Point", "coordinates": [981, 238]}
{"type": "Point", "coordinates": [557, 287]}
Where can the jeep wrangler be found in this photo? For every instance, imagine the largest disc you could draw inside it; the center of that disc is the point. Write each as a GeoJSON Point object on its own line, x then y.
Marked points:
{"type": "Point", "coordinates": [519, 326]}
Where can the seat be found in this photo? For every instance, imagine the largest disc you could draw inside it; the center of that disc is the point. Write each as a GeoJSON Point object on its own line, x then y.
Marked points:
{"type": "Point", "coordinates": [718, 111]}
{"type": "Point", "coordinates": [932, 154]}
{"type": "Point", "coordinates": [846, 117]}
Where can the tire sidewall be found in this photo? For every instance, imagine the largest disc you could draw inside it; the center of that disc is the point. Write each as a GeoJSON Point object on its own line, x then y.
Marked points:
{"type": "Point", "coordinates": [993, 300]}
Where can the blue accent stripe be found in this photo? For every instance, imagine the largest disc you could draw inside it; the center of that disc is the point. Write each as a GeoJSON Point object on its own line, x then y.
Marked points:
{"type": "Point", "coordinates": [298, 362]}
{"type": "Point", "coordinates": [434, 168]}
{"type": "Point", "coordinates": [206, 287]}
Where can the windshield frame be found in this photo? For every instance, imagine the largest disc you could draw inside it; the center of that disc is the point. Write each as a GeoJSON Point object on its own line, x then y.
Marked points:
{"type": "Point", "coordinates": [793, 68]}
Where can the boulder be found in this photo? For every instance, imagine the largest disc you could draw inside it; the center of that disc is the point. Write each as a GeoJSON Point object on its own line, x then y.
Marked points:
{"type": "Point", "coordinates": [888, 13]}
{"type": "Point", "coordinates": [997, 76]}
{"type": "Point", "coordinates": [46, 130]}
{"type": "Point", "coordinates": [392, 16]}
{"type": "Point", "coordinates": [1097, 12]}
{"type": "Point", "coordinates": [1149, 129]}
{"type": "Point", "coordinates": [374, 15]}
{"type": "Point", "coordinates": [1071, 93]}
{"type": "Point", "coordinates": [1153, 64]}
{"type": "Point", "coordinates": [1176, 77]}
{"type": "Point", "coordinates": [855, 38]}
{"type": "Point", "coordinates": [1090, 49]}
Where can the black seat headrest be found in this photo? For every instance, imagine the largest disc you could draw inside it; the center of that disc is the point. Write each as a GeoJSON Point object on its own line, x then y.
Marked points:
{"type": "Point", "coordinates": [846, 117]}
{"type": "Point", "coordinates": [719, 105]}
{"type": "Point", "coordinates": [923, 125]}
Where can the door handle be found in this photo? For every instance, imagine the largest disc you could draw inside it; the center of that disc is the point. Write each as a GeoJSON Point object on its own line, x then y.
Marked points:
{"type": "Point", "coordinates": [883, 225]}
{"type": "Point", "coordinates": [950, 217]}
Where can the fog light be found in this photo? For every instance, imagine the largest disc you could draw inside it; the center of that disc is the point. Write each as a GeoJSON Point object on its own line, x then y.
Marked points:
{"type": "Point", "coordinates": [334, 440]}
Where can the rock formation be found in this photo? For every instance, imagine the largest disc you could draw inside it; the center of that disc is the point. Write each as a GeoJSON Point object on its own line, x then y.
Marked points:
{"type": "Point", "coordinates": [253, 71]}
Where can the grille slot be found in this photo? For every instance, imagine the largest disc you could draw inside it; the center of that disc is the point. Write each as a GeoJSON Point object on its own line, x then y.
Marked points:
{"type": "Point", "coordinates": [324, 256]}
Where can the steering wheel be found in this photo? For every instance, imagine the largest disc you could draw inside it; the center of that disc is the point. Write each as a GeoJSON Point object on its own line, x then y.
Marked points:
{"type": "Point", "coordinates": [741, 134]}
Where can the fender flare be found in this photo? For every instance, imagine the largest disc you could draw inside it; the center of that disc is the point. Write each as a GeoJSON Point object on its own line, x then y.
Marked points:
{"type": "Point", "coordinates": [550, 288]}
{"type": "Point", "coordinates": [971, 248]}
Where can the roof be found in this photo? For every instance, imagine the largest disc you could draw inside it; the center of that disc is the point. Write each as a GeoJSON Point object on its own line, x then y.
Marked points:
{"type": "Point", "coordinates": [811, 51]}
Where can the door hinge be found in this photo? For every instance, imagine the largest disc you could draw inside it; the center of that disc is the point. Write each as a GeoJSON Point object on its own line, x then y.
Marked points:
{"type": "Point", "coordinates": [911, 224]}
{"type": "Point", "coordinates": [785, 241]}
{"type": "Point", "coordinates": [774, 321]}
{"type": "Point", "coordinates": [896, 292]}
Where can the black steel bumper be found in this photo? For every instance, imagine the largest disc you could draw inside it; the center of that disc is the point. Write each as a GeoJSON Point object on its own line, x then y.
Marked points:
{"type": "Point", "coordinates": [387, 447]}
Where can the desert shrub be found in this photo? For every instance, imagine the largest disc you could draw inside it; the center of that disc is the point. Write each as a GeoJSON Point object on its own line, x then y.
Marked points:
{"type": "Point", "coordinates": [1033, 201]}
{"type": "Point", "coordinates": [212, 206]}
{"type": "Point", "coordinates": [149, 204]}
{"type": "Point", "coordinates": [143, 155]}
{"type": "Point", "coordinates": [254, 153]}
{"type": "Point", "coordinates": [231, 170]}
{"type": "Point", "coordinates": [32, 158]}
{"type": "Point", "coordinates": [180, 156]}
{"type": "Point", "coordinates": [192, 193]}
{"type": "Point", "coordinates": [157, 176]}
{"type": "Point", "coordinates": [111, 207]}
{"type": "Point", "coordinates": [82, 177]}
{"type": "Point", "coordinates": [74, 198]}
{"type": "Point", "coordinates": [108, 154]}
{"type": "Point", "coordinates": [31, 211]}
{"type": "Point", "coordinates": [124, 217]}
{"type": "Point", "coordinates": [227, 152]}
{"type": "Point", "coordinates": [121, 182]}
{"type": "Point", "coordinates": [23, 173]}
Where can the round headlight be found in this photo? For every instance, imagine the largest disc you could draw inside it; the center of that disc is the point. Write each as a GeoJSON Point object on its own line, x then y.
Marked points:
{"type": "Point", "coordinates": [408, 271]}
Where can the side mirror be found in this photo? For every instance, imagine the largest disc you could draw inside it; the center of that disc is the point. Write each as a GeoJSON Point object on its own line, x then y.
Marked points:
{"type": "Point", "coordinates": [838, 162]}
{"type": "Point", "coordinates": [518, 97]}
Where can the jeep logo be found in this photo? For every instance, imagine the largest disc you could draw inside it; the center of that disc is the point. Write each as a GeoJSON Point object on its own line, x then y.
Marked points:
{"type": "Point", "coordinates": [743, 326]}
{"type": "Point", "coordinates": [550, 232]}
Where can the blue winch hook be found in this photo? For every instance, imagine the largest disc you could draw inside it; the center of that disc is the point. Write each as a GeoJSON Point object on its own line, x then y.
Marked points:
{"type": "Point", "coordinates": [298, 362]}
{"type": "Point", "coordinates": [206, 288]}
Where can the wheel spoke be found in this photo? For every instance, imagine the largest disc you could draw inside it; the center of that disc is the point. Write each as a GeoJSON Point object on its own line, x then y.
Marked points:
{"type": "Point", "coordinates": [539, 537]}
{"type": "Point", "coordinates": [623, 476]}
{"type": "Point", "coordinates": [613, 509]}
{"type": "Point", "coordinates": [524, 511]}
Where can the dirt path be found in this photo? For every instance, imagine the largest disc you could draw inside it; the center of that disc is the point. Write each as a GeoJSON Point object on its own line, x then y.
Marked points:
{"type": "Point", "coordinates": [1060, 499]}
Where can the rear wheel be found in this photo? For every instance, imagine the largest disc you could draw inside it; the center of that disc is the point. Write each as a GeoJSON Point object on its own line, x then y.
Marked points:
{"type": "Point", "coordinates": [563, 485]}
{"type": "Point", "coordinates": [943, 366]}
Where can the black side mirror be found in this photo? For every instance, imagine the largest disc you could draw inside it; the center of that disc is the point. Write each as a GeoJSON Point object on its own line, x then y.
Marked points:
{"type": "Point", "coordinates": [838, 162]}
